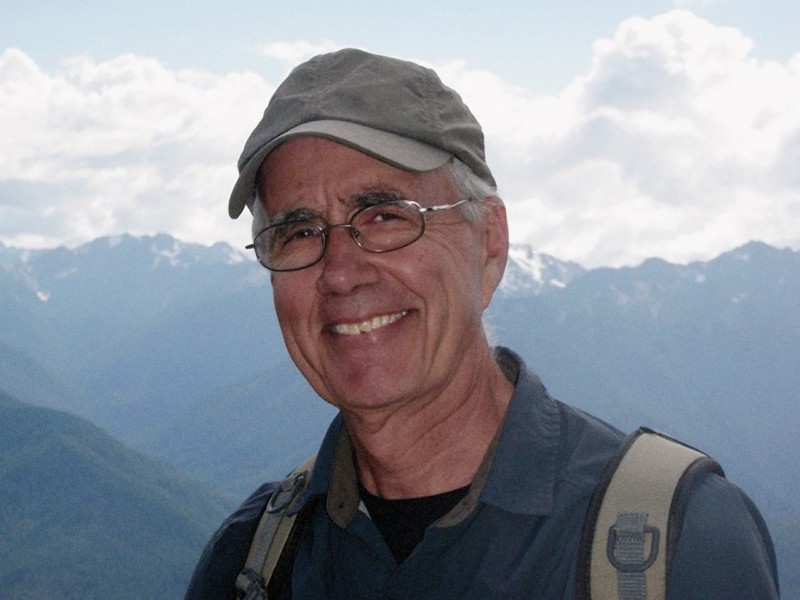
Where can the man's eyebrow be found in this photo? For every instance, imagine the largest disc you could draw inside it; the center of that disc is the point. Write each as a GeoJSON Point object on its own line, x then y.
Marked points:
{"type": "Point", "coordinates": [373, 197]}
{"type": "Point", "coordinates": [298, 214]}
{"type": "Point", "coordinates": [357, 200]}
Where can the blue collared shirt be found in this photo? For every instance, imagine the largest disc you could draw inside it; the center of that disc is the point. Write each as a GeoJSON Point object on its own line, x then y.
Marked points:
{"type": "Point", "coordinates": [515, 534]}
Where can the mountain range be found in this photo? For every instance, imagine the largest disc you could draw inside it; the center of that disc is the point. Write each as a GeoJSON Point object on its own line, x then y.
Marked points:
{"type": "Point", "coordinates": [173, 349]}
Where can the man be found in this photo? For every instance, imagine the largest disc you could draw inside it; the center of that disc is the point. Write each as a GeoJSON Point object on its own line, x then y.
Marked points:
{"type": "Point", "coordinates": [449, 472]}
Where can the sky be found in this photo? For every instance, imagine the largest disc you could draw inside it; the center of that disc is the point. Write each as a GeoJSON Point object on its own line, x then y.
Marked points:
{"type": "Point", "coordinates": [617, 131]}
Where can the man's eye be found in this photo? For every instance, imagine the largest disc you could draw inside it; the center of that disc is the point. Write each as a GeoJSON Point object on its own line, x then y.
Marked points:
{"type": "Point", "coordinates": [290, 233]}
{"type": "Point", "coordinates": [388, 213]}
{"type": "Point", "coordinates": [300, 233]}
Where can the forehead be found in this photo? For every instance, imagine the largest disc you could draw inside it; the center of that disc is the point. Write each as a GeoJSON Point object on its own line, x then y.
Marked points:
{"type": "Point", "coordinates": [309, 171]}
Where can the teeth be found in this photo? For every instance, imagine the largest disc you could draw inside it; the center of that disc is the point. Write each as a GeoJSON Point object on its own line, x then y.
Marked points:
{"type": "Point", "coordinates": [368, 325]}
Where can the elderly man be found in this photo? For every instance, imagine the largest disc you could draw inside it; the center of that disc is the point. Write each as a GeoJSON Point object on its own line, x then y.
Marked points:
{"type": "Point", "coordinates": [449, 471]}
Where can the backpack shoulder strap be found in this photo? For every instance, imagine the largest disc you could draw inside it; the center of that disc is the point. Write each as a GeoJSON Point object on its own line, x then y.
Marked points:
{"type": "Point", "coordinates": [272, 534]}
{"type": "Point", "coordinates": [635, 518]}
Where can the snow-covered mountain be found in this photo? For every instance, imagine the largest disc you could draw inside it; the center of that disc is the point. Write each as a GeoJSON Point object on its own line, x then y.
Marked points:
{"type": "Point", "coordinates": [44, 271]}
{"type": "Point", "coordinates": [529, 273]}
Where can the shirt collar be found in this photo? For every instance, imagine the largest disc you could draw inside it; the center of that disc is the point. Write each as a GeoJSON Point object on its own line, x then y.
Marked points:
{"type": "Point", "coordinates": [517, 473]}
{"type": "Point", "coordinates": [335, 476]}
{"type": "Point", "coordinates": [523, 470]}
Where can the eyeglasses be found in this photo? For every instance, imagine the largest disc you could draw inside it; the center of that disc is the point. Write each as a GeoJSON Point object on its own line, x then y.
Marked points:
{"type": "Point", "coordinates": [300, 243]}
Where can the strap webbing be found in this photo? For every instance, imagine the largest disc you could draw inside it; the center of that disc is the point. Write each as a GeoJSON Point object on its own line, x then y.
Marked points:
{"type": "Point", "coordinates": [628, 548]}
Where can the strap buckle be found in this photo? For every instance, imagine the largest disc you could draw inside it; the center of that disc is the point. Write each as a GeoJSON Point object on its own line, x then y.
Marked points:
{"type": "Point", "coordinates": [250, 586]}
{"type": "Point", "coordinates": [286, 491]}
{"type": "Point", "coordinates": [626, 543]}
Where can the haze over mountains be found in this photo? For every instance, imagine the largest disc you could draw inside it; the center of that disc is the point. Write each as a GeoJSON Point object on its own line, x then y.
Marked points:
{"type": "Point", "coordinates": [81, 516]}
{"type": "Point", "coordinates": [173, 349]}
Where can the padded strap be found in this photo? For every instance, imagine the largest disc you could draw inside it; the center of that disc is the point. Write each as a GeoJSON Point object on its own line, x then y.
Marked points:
{"type": "Point", "coordinates": [272, 533]}
{"type": "Point", "coordinates": [636, 516]}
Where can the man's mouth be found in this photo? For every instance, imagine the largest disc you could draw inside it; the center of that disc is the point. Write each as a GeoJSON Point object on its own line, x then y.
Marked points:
{"type": "Point", "coordinates": [368, 325]}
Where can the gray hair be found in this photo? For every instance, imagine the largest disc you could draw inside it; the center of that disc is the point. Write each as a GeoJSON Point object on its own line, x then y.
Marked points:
{"type": "Point", "coordinates": [467, 185]}
{"type": "Point", "coordinates": [260, 219]}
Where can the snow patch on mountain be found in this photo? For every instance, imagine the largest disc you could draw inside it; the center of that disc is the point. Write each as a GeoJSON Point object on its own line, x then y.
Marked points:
{"type": "Point", "coordinates": [529, 272]}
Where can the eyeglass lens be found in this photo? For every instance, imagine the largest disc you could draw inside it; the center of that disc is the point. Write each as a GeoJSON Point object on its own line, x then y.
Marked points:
{"type": "Point", "coordinates": [298, 244]}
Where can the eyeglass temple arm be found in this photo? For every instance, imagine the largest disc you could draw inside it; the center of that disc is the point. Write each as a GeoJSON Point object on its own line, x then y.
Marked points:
{"type": "Point", "coordinates": [425, 209]}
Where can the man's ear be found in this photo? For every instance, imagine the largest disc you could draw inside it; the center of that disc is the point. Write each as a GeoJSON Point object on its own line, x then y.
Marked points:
{"type": "Point", "coordinates": [495, 240]}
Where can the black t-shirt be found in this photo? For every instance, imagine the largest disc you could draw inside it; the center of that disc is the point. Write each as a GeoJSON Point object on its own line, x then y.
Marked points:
{"type": "Point", "coordinates": [402, 522]}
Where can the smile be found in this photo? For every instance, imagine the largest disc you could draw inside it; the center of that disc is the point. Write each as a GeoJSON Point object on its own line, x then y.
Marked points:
{"type": "Point", "coordinates": [368, 325]}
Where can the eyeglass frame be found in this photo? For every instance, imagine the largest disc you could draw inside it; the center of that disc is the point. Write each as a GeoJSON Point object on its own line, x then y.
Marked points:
{"type": "Point", "coordinates": [353, 231]}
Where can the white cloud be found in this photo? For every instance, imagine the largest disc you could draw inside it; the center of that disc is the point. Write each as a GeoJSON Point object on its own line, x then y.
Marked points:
{"type": "Point", "coordinates": [677, 143]}
{"type": "Point", "coordinates": [121, 146]}
{"type": "Point", "coordinates": [293, 53]}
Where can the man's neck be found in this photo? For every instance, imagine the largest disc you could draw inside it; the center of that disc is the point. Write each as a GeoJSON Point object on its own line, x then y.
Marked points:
{"type": "Point", "coordinates": [433, 446]}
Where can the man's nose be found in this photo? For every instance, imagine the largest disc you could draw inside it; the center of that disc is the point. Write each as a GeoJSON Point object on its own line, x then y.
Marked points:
{"type": "Point", "coordinates": [345, 265]}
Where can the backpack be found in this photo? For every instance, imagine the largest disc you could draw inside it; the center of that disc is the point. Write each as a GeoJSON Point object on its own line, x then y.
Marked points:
{"type": "Point", "coordinates": [629, 535]}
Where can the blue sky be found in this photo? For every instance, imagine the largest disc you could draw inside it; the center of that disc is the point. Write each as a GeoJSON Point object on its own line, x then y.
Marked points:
{"type": "Point", "coordinates": [540, 45]}
{"type": "Point", "coordinates": [617, 130]}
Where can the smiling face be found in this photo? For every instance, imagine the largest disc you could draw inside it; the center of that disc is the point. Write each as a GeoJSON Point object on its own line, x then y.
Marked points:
{"type": "Point", "coordinates": [382, 330]}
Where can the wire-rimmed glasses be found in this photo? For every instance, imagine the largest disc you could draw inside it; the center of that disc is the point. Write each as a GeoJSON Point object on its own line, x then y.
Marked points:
{"type": "Point", "coordinates": [296, 244]}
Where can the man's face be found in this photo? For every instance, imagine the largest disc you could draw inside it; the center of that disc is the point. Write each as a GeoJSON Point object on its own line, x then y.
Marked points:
{"type": "Point", "coordinates": [381, 330]}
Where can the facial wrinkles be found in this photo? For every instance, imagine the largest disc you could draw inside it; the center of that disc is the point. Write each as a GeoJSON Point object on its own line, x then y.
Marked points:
{"type": "Point", "coordinates": [348, 276]}
{"type": "Point", "coordinates": [370, 308]}
{"type": "Point", "coordinates": [356, 325]}
{"type": "Point", "coordinates": [355, 202]}
{"type": "Point", "coordinates": [370, 301]}
{"type": "Point", "coordinates": [410, 285]}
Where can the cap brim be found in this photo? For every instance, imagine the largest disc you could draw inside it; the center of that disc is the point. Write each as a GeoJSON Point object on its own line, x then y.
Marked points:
{"type": "Point", "coordinates": [398, 151]}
